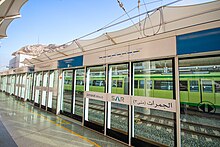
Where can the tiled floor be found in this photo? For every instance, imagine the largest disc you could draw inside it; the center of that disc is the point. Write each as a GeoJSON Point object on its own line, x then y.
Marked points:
{"type": "Point", "coordinates": [29, 126]}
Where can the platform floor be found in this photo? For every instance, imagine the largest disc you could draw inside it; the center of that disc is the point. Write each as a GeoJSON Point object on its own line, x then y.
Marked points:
{"type": "Point", "coordinates": [23, 125]}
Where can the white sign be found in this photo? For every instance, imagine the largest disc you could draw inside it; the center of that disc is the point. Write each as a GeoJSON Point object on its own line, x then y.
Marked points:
{"type": "Point", "coordinates": [154, 103]}
{"type": "Point", "coordinates": [95, 95]}
{"type": "Point", "coordinates": [46, 66]}
{"type": "Point", "coordinates": [119, 98]}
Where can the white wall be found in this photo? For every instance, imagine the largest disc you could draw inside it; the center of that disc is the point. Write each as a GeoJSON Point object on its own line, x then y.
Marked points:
{"type": "Point", "coordinates": [16, 61]}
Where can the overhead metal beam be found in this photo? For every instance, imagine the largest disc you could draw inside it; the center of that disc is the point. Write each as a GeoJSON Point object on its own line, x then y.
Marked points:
{"type": "Point", "coordinates": [110, 38]}
{"type": "Point", "coordinates": [28, 61]}
{"type": "Point", "coordinates": [37, 59]}
{"type": "Point", "coordinates": [78, 44]}
{"type": "Point", "coordinates": [47, 56]}
{"type": "Point", "coordinates": [11, 16]}
{"type": "Point", "coordinates": [5, 15]}
{"type": "Point", "coordinates": [61, 53]}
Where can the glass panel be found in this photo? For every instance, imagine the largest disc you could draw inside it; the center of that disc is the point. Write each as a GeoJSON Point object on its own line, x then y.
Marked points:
{"type": "Point", "coordinates": [20, 86]}
{"type": "Point", "coordinates": [34, 87]}
{"type": "Point", "coordinates": [135, 83]}
{"type": "Point", "coordinates": [96, 111]}
{"type": "Point", "coordinates": [149, 84]}
{"type": "Point", "coordinates": [44, 91]}
{"type": "Point", "coordinates": [217, 86]}
{"type": "Point", "coordinates": [96, 108]}
{"type": "Point", "coordinates": [97, 79]}
{"type": "Point", "coordinates": [38, 91]}
{"type": "Point", "coordinates": [141, 84]}
{"type": "Point", "coordinates": [119, 78]}
{"type": "Point", "coordinates": [79, 89]}
{"type": "Point", "coordinates": [163, 85]}
{"type": "Point", "coordinates": [67, 90]}
{"type": "Point", "coordinates": [200, 106]}
{"type": "Point", "coordinates": [55, 86]}
{"type": "Point", "coordinates": [150, 124]}
{"type": "Point", "coordinates": [29, 86]}
{"type": "Point", "coordinates": [16, 85]}
{"type": "Point", "coordinates": [207, 86]}
{"type": "Point", "coordinates": [119, 112]}
{"type": "Point", "coordinates": [13, 84]}
{"type": "Point", "coordinates": [183, 86]}
{"type": "Point", "coordinates": [119, 116]}
{"type": "Point", "coordinates": [194, 86]}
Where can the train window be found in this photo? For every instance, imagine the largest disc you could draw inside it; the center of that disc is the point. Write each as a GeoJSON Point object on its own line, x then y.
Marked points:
{"type": "Point", "coordinates": [114, 84]}
{"type": "Point", "coordinates": [163, 85]}
{"type": "Point", "coordinates": [98, 83]}
{"type": "Point", "coordinates": [119, 83]}
{"type": "Point", "coordinates": [135, 83]}
{"type": "Point", "coordinates": [207, 86]}
{"type": "Point", "coordinates": [194, 86]}
{"type": "Point", "coordinates": [79, 82]}
{"type": "Point", "coordinates": [141, 84]}
{"type": "Point", "coordinates": [183, 86]}
{"type": "Point", "coordinates": [217, 86]}
{"type": "Point", "coordinates": [157, 84]}
{"type": "Point", "coordinates": [149, 84]}
{"type": "Point", "coordinates": [96, 78]}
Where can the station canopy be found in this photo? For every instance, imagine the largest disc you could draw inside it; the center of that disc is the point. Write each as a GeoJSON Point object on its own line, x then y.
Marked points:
{"type": "Point", "coordinates": [9, 10]}
{"type": "Point", "coordinates": [162, 20]}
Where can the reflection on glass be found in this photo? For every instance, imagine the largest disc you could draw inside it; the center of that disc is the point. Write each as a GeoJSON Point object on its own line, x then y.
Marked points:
{"type": "Point", "coordinates": [16, 86]}
{"type": "Point", "coordinates": [38, 88]}
{"type": "Point", "coordinates": [13, 84]}
{"type": "Point", "coordinates": [200, 105]}
{"type": "Point", "coordinates": [40, 85]}
{"type": "Point", "coordinates": [34, 87]}
{"type": "Point", "coordinates": [96, 111]}
{"type": "Point", "coordinates": [118, 77]}
{"type": "Point", "coordinates": [54, 96]}
{"type": "Point", "coordinates": [119, 117]}
{"type": "Point", "coordinates": [97, 79]}
{"type": "Point", "coordinates": [67, 90]}
{"type": "Point", "coordinates": [154, 125]}
{"type": "Point", "coordinates": [29, 86]}
{"type": "Point", "coordinates": [79, 89]}
{"type": "Point", "coordinates": [44, 91]}
{"type": "Point", "coordinates": [96, 84]}
{"type": "Point", "coordinates": [153, 79]}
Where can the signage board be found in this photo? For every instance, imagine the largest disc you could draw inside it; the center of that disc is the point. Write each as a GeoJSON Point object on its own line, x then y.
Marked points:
{"type": "Point", "coordinates": [139, 101]}
{"type": "Point", "coordinates": [95, 95]}
{"type": "Point", "coordinates": [197, 42]}
{"type": "Point", "coordinates": [46, 66]}
{"type": "Point", "coordinates": [71, 62]}
{"type": "Point", "coordinates": [119, 98]}
{"type": "Point", "coordinates": [154, 103]}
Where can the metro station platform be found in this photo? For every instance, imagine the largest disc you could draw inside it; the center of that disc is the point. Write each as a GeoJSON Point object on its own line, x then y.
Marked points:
{"type": "Point", "coordinates": [21, 124]}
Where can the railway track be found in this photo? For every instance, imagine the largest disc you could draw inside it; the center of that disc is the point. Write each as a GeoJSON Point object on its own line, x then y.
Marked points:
{"type": "Point", "coordinates": [158, 121]}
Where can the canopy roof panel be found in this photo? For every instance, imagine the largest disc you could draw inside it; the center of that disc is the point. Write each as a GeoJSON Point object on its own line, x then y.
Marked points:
{"type": "Point", "coordinates": [9, 10]}
{"type": "Point", "coordinates": [160, 21]}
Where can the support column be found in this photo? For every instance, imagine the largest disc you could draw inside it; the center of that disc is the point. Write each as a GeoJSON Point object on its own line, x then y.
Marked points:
{"type": "Point", "coordinates": [178, 127]}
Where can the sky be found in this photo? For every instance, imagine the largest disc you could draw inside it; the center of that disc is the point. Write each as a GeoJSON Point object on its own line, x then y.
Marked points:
{"type": "Point", "coordinates": [61, 21]}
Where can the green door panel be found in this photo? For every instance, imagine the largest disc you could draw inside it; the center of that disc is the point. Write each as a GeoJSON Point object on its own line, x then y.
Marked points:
{"type": "Point", "coordinates": [184, 96]}
{"type": "Point", "coordinates": [217, 99]}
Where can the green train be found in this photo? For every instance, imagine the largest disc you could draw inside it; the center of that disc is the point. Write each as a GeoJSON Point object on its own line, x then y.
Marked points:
{"type": "Point", "coordinates": [193, 88]}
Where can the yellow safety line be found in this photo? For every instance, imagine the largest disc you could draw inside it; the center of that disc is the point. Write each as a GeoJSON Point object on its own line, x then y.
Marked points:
{"type": "Point", "coordinates": [60, 125]}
